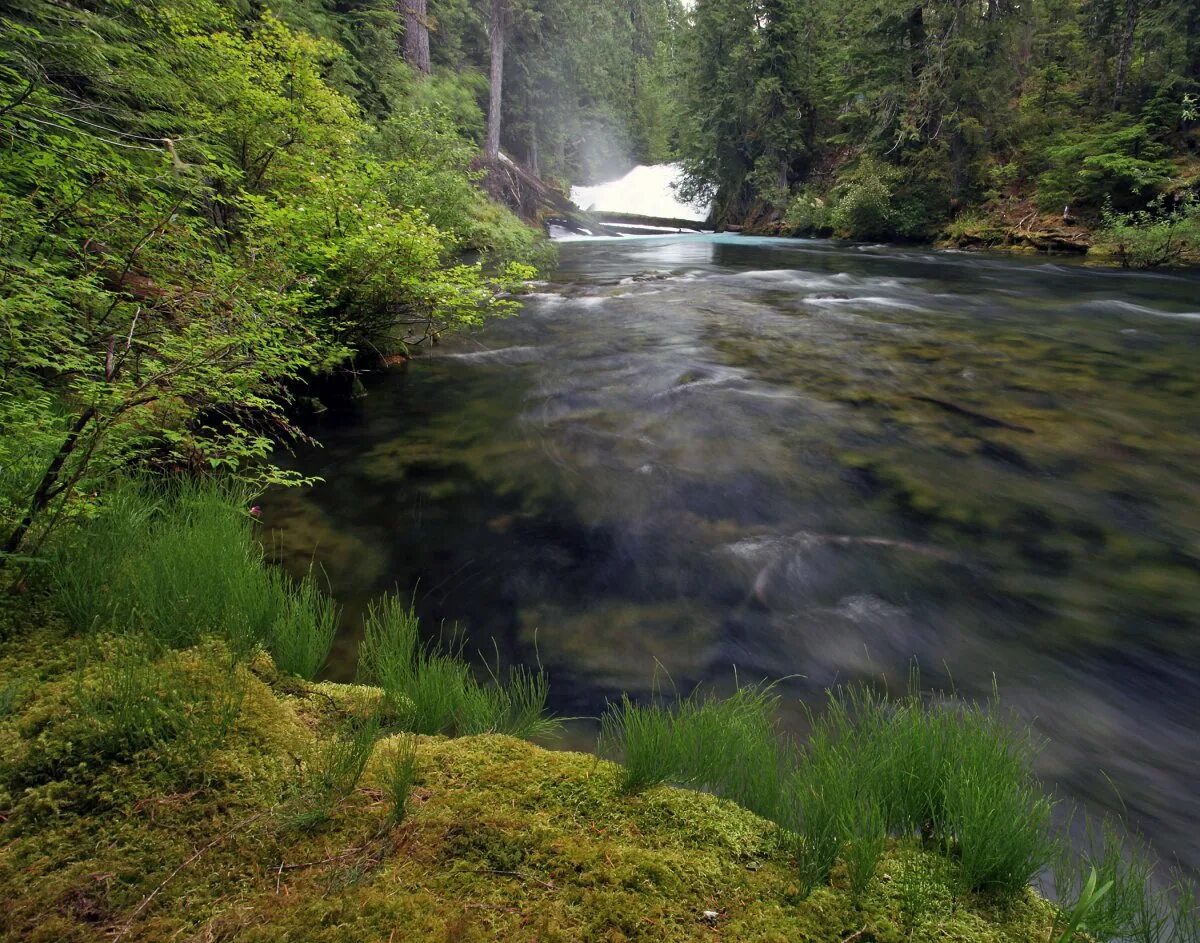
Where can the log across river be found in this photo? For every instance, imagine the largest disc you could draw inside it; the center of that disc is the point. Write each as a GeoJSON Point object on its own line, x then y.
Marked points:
{"type": "Point", "coordinates": [811, 461]}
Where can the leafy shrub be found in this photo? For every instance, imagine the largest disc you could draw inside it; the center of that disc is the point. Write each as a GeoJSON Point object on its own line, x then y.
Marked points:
{"type": "Point", "coordinates": [864, 202]}
{"type": "Point", "coordinates": [186, 234]}
{"type": "Point", "coordinates": [1151, 238]}
{"type": "Point", "coordinates": [871, 201]}
{"type": "Point", "coordinates": [808, 214]}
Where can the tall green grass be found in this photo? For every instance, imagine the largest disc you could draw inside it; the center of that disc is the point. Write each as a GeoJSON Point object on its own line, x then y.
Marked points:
{"type": "Point", "coordinates": [435, 691]}
{"type": "Point", "coordinates": [1135, 906]}
{"type": "Point", "coordinates": [870, 768]}
{"type": "Point", "coordinates": [181, 563]}
{"type": "Point", "coordinates": [727, 746]}
{"type": "Point", "coordinates": [399, 776]}
{"type": "Point", "coordinates": [954, 773]}
{"type": "Point", "coordinates": [336, 772]}
{"type": "Point", "coordinates": [303, 627]}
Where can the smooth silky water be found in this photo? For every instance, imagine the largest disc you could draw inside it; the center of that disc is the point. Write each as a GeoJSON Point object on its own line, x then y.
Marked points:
{"type": "Point", "coordinates": [812, 461]}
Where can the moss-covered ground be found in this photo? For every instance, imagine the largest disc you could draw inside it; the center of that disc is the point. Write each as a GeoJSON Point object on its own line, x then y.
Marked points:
{"type": "Point", "coordinates": [161, 796]}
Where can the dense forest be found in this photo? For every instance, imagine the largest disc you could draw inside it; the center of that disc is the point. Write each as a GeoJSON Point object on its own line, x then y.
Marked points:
{"type": "Point", "coordinates": [894, 119]}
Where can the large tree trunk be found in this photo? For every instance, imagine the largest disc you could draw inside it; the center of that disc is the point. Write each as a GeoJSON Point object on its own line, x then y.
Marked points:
{"type": "Point", "coordinates": [416, 33]}
{"type": "Point", "coordinates": [1133, 12]}
{"type": "Point", "coordinates": [1192, 32]}
{"type": "Point", "coordinates": [496, 38]}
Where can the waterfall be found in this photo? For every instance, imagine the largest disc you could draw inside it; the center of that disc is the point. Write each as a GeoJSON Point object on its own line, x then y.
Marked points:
{"type": "Point", "coordinates": [644, 191]}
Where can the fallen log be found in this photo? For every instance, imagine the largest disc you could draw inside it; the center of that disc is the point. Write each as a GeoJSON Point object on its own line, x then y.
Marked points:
{"type": "Point", "coordinates": [534, 200]}
{"type": "Point", "coordinates": [654, 222]}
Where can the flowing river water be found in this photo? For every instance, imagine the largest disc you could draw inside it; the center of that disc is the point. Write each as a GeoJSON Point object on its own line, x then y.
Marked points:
{"type": "Point", "coordinates": [811, 461]}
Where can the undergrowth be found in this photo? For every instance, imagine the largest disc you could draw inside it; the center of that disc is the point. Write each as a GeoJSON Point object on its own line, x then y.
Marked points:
{"type": "Point", "coordinates": [182, 562]}
{"type": "Point", "coordinates": [169, 597]}
{"type": "Point", "coordinates": [434, 691]}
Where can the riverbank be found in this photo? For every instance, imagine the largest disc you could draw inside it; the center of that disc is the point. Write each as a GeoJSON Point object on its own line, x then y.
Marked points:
{"type": "Point", "coordinates": [167, 771]}
{"type": "Point", "coordinates": [502, 840]}
{"type": "Point", "coordinates": [1140, 240]}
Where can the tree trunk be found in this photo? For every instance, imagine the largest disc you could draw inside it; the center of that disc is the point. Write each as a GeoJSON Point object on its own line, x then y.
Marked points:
{"type": "Point", "coordinates": [48, 488]}
{"type": "Point", "coordinates": [1192, 32]}
{"type": "Point", "coordinates": [916, 40]}
{"type": "Point", "coordinates": [1133, 12]}
{"type": "Point", "coordinates": [496, 40]}
{"type": "Point", "coordinates": [416, 33]}
{"type": "Point", "coordinates": [535, 152]}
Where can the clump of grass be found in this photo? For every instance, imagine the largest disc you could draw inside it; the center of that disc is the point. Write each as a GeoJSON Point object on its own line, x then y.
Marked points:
{"type": "Point", "coordinates": [399, 776]}
{"type": "Point", "coordinates": [642, 737]}
{"type": "Point", "coordinates": [431, 691]}
{"type": "Point", "coordinates": [337, 772]}
{"type": "Point", "coordinates": [1184, 913]}
{"type": "Point", "coordinates": [995, 816]}
{"type": "Point", "coordinates": [86, 570]}
{"type": "Point", "coordinates": [1123, 901]}
{"type": "Point", "coordinates": [727, 746]}
{"type": "Point", "coordinates": [181, 563]}
{"type": "Point", "coordinates": [1071, 918]}
{"type": "Point", "coordinates": [870, 768]}
{"type": "Point", "coordinates": [516, 707]}
{"type": "Point", "coordinates": [955, 773]}
{"type": "Point", "coordinates": [866, 837]}
{"type": "Point", "coordinates": [302, 632]}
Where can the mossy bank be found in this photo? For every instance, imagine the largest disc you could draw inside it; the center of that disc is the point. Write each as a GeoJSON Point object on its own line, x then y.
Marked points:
{"type": "Point", "coordinates": [175, 835]}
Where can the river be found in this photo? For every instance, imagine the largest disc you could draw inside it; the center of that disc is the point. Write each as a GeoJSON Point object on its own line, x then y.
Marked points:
{"type": "Point", "coordinates": [803, 459]}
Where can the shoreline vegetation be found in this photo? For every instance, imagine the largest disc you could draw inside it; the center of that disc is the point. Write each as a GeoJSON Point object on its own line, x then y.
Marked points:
{"type": "Point", "coordinates": [1062, 124]}
{"type": "Point", "coordinates": [206, 205]}
{"type": "Point", "coordinates": [162, 775]}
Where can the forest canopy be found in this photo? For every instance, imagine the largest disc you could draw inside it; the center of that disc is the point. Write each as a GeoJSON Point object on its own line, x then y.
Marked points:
{"type": "Point", "coordinates": [889, 118]}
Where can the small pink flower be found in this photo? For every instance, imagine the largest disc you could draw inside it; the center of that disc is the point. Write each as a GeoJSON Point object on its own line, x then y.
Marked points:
{"type": "Point", "coordinates": [256, 511]}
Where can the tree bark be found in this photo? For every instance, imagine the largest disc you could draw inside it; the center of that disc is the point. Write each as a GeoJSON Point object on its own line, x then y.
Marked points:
{"type": "Point", "coordinates": [496, 27]}
{"type": "Point", "coordinates": [1133, 12]}
{"type": "Point", "coordinates": [48, 487]}
{"type": "Point", "coordinates": [1192, 32]}
{"type": "Point", "coordinates": [416, 33]}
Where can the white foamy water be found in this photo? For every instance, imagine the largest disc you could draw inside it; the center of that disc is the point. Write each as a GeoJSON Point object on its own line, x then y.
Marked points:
{"type": "Point", "coordinates": [645, 191]}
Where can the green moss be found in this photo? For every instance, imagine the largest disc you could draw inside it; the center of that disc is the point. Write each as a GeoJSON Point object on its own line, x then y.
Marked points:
{"type": "Point", "coordinates": [504, 840]}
